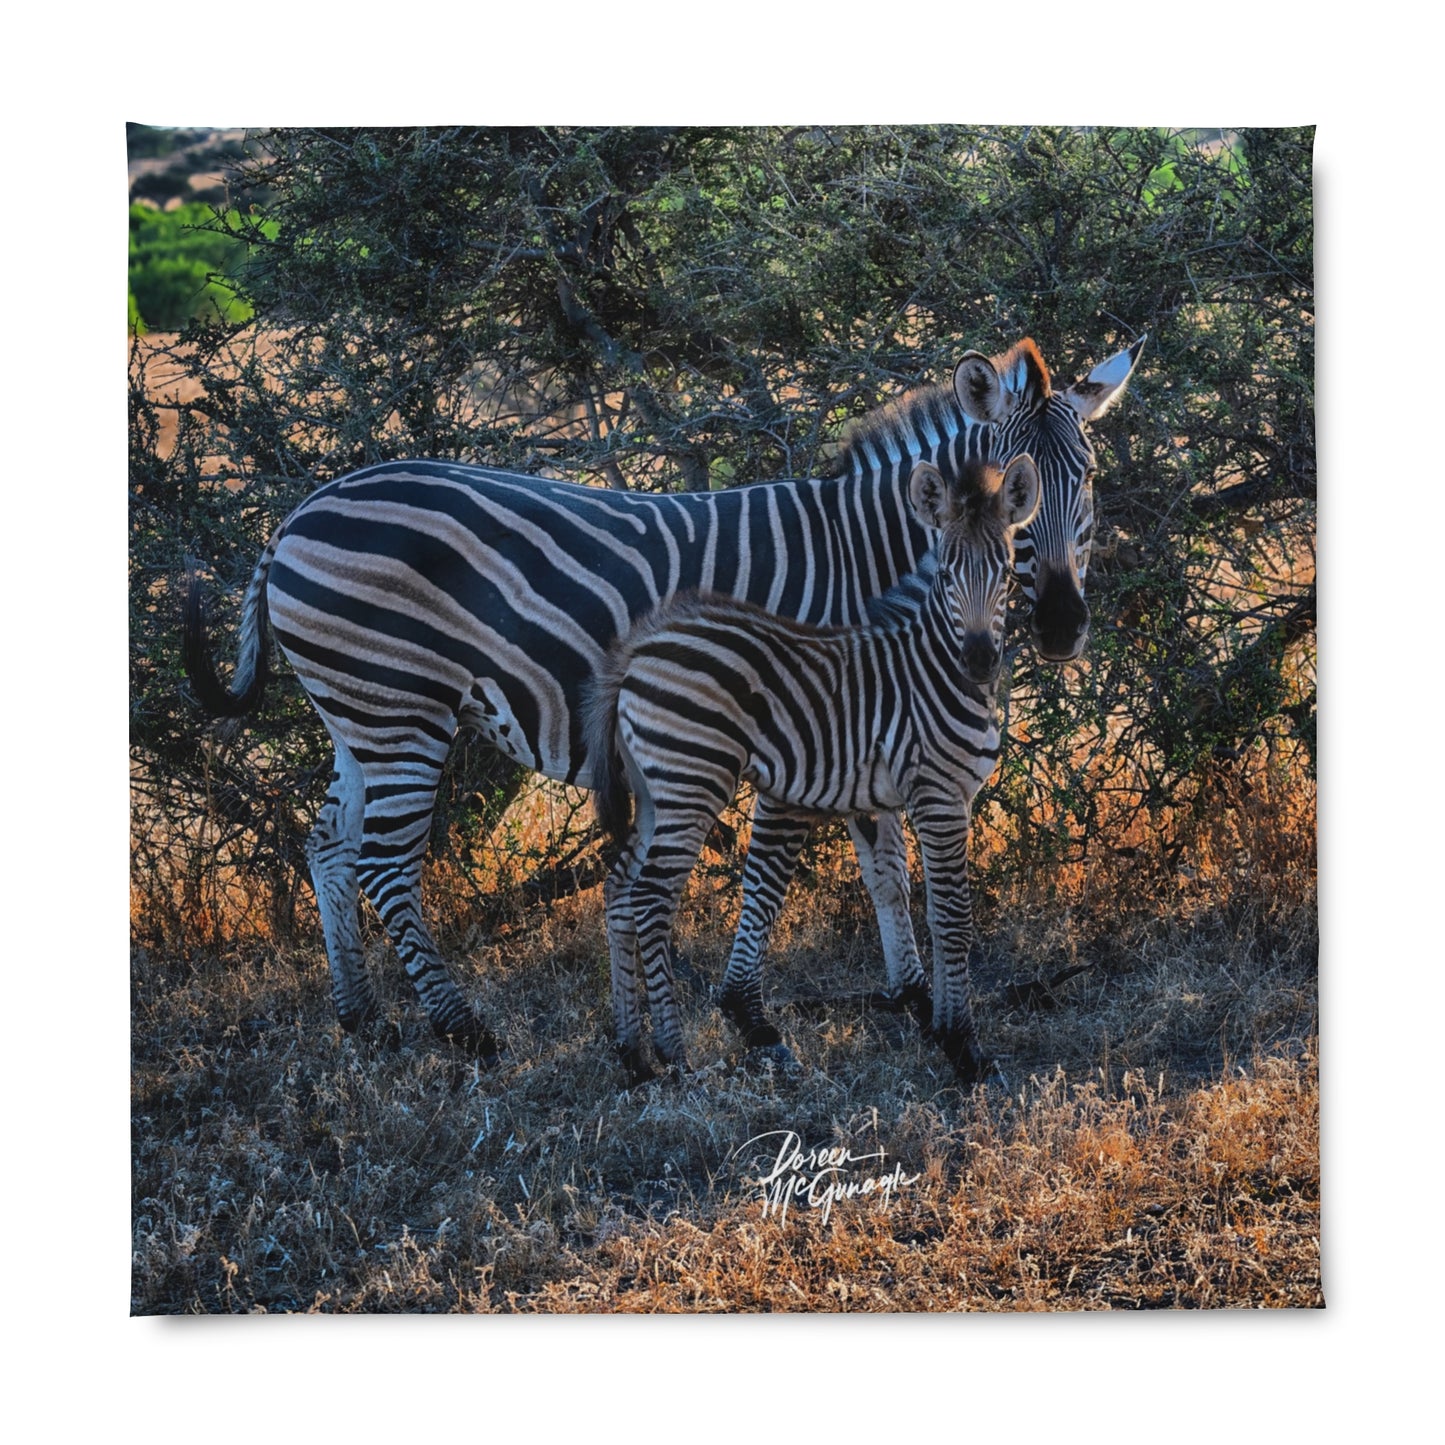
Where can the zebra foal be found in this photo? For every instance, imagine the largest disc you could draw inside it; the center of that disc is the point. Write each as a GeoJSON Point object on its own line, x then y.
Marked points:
{"type": "Point", "coordinates": [898, 713]}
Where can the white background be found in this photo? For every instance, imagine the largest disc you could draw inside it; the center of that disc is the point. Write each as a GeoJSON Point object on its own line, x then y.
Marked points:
{"type": "Point", "coordinates": [81, 1363]}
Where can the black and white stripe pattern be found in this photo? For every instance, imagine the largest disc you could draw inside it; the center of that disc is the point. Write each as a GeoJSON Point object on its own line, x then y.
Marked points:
{"type": "Point", "coordinates": [417, 598]}
{"type": "Point", "coordinates": [897, 713]}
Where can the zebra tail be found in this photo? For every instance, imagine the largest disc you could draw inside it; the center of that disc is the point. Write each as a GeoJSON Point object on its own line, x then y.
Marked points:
{"type": "Point", "coordinates": [611, 795]}
{"type": "Point", "coordinates": [252, 668]}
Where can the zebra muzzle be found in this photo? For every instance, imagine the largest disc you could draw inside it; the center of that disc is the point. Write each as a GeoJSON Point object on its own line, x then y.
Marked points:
{"type": "Point", "coordinates": [981, 658]}
{"type": "Point", "coordinates": [1060, 624]}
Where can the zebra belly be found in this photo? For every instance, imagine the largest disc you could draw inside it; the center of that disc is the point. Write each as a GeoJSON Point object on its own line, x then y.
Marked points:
{"type": "Point", "coordinates": [875, 786]}
{"type": "Point", "coordinates": [870, 788]}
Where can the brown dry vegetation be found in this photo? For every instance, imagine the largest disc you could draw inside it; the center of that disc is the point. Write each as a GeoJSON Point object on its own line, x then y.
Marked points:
{"type": "Point", "coordinates": [1156, 1142]}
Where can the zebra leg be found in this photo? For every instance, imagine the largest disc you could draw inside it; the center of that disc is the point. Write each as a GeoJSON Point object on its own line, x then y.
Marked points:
{"type": "Point", "coordinates": [883, 861]}
{"type": "Point", "coordinates": [332, 850]}
{"type": "Point", "coordinates": [398, 813]}
{"type": "Point", "coordinates": [622, 946]}
{"type": "Point", "coordinates": [666, 863]}
{"type": "Point", "coordinates": [777, 840]}
{"type": "Point", "coordinates": [944, 842]}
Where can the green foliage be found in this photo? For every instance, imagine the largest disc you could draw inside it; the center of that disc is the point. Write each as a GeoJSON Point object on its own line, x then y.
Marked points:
{"type": "Point", "coordinates": [181, 262]}
{"type": "Point", "coordinates": [667, 308]}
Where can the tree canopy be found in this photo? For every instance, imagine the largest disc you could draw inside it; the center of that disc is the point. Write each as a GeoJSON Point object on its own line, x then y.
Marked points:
{"type": "Point", "coordinates": [690, 308]}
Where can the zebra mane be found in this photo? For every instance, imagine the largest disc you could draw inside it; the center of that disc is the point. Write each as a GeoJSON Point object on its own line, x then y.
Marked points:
{"type": "Point", "coordinates": [933, 409]}
{"type": "Point", "coordinates": [902, 420]}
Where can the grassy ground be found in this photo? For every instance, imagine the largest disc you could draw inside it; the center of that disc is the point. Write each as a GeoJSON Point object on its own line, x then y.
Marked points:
{"type": "Point", "coordinates": [1155, 1144]}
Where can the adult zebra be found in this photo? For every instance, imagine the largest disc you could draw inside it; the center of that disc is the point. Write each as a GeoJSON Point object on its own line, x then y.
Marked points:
{"type": "Point", "coordinates": [417, 598]}
{"type": "Point", "coordinates": [899, 713]}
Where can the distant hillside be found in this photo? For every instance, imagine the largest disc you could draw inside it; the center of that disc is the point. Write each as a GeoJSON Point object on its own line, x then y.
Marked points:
{"type": "Point", "coordinates": [184, 215]}
{"type": "Point", "coordinates": [169, 167]}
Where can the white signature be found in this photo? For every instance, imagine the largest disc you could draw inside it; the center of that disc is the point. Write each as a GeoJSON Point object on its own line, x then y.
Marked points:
{"type": "Point", "coordinates": [817, 1176]}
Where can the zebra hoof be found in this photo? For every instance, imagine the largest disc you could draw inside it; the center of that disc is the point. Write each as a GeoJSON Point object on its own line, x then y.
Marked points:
{"type": "Point", "coordinates": [748, 1019]}
{"type": "Point", "coordinates": [763, 1036]}
{"type": "Point", "coordinates": [914, 999]}
{"type": "Point", "coordinates": [776, 1056]}
{"type": "Point", "coordinates": [635, 1065]}
{"type": "Point", "coordinates": [353, 1020]}
{"type": "Point", "coordinates": [963, 1052]}
{"type": "Point", "coordinates": [919, 1002]}
{"type": "Point", "coordinates": [677, 1071]}
{"type": "Point", "coordinates": [968, 1063]}
{"type": "Point", "coordinates": [471, 1038]}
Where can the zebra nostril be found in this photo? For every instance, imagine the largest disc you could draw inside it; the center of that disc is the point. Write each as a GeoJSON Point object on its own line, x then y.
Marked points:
{"type": "Point", "coordinates": [981, 659]}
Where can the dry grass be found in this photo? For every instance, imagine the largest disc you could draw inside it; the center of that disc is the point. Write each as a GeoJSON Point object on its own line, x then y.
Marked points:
{"type": "Point", "coordinates": [1156, 1143]}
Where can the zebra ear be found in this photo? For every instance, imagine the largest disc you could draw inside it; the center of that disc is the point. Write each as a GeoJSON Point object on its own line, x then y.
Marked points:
{"type": "Point", "coordinates": [991, 388]}
{"type": "Point", "coordinates": [930, 496]}
{"type": "Point", "coordinates": [1105, 384]}
{"type": "Point", "coordinates": [977, 386]}
{"type": "Point", "coordinates": [1018, 497]}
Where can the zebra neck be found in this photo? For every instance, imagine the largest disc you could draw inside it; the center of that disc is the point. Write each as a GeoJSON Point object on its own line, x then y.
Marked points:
{"type": "Point", "coordinates": [875, 517]}
{"type": "Point", "coordinates": [923, 427]}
